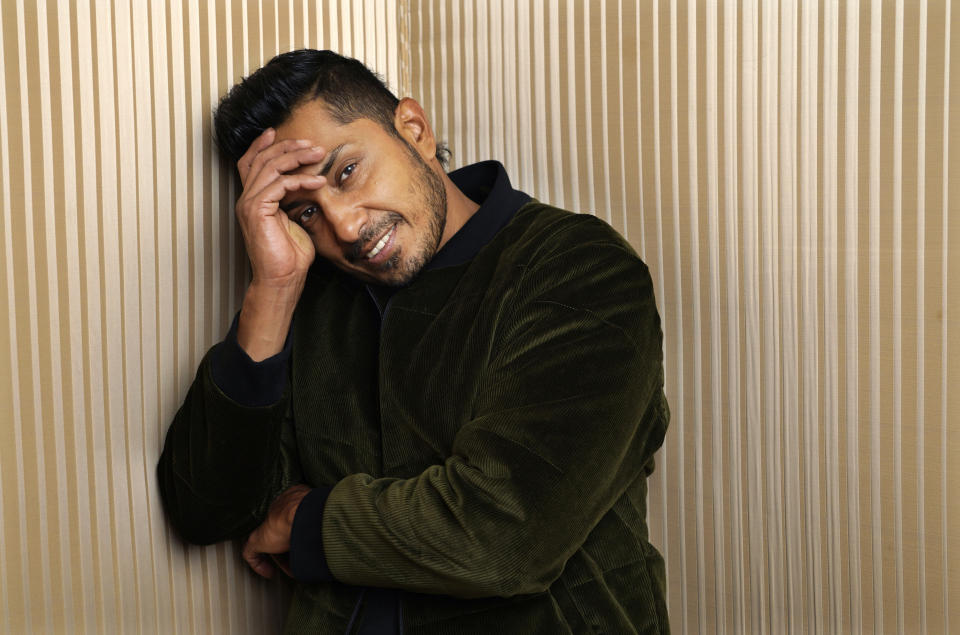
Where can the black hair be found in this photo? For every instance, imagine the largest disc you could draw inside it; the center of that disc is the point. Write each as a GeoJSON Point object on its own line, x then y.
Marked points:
{"type": "Point", "coordinates": [348, 89]}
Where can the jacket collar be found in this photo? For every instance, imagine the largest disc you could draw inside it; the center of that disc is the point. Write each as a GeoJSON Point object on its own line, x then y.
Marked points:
{"type": "Point", "coordinates": [487, 184]}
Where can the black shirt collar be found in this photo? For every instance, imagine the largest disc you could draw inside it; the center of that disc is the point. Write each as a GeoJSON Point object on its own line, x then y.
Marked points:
{"type": "Point", "coordinates": [487, 184]}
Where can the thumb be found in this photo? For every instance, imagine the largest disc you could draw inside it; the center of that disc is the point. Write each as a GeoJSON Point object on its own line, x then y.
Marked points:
{"type": "Point", "coordinates": [298, 234]}
{"type": "Point", "coordinates": [259, 562]}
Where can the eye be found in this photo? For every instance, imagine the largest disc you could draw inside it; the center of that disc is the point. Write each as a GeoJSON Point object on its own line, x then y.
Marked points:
{"type": "Point", "coordinates": [307, 214]}
{"type": "Point", "coordinates": [346, 172]}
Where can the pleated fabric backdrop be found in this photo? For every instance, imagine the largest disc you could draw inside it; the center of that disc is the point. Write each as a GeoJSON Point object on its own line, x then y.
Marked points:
{"type": "Point", "coordinates": [120, 266]}
{"type": "Point", "coordinates": [789, 171]}
{"type": "Point", "coordinates": [784, 168]}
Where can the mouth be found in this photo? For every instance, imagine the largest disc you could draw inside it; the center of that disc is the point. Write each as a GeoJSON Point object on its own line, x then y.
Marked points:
{"type": "Point", "coordinates": [382, 248]}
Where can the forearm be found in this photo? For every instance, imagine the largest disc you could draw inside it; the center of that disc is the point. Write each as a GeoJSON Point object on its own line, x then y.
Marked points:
{"type": "Point", "coordinates": [500, 526]}
{"type": "Point", "coordinates": [525, 485]}
{"type": "Point", "coordinates": [265, 317]}
{"type": "Point", "coordinates": [221, 460]}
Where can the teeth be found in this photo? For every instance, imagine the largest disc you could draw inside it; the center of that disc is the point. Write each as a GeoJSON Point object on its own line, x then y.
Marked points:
{"type": "Point", "coordinates": [383, 241]}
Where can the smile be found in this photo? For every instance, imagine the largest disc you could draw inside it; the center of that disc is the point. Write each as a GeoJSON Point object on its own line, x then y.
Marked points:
{"type": "Point", "coordinates": [370, 255]}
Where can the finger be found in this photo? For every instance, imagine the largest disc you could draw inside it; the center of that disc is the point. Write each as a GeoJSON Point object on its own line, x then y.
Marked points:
{"type": "Point", "coordinates": [259, 144]}
{"type": "Point", "coordinates": [287, 162]}
{"type": "Point", "coordinates": [261, 566]}
{"type": "Point", "coordinates": [257, 561]}
{"type": "Point", "coordinates": [270, 196]}
{"type": "Point", "coordinates": [260, 161]}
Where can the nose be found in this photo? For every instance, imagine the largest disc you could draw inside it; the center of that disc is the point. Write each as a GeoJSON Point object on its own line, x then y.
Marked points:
{"type": "Point", "coordinates": [346, 220]}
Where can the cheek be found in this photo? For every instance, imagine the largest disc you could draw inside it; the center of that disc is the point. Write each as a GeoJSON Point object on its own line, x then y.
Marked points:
{"type": "Point", "coordinates": [325, 245]}
{"type": "Point", "coordinates": [392, 188]}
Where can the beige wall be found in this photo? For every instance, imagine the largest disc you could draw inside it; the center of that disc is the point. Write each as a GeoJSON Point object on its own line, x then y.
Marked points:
{"type": "Point", "coordinates": [119, 266]}
{"type": "Point", "coordinates": [788, 171]}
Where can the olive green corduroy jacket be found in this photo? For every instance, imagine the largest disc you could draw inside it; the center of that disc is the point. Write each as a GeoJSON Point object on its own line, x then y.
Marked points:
{"type": "Point", "coordinates": [489, 440]}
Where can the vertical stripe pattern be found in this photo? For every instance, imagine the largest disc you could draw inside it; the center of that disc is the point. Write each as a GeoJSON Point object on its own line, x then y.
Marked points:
{"type": "Point", "coordinates": [787, 169]}
{"type": "Point", "coordinates": [784, 168]}
{"type": "Point", "coordinates": [119, 266]}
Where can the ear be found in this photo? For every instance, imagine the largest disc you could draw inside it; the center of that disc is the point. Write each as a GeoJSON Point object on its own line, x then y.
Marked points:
{"type": "Point", "coordinates": [411, 122]}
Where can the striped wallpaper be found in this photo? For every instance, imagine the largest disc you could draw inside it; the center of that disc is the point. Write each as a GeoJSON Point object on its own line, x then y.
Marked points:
{"type": "Point", "coordinates": [119, 265]}
{"type": "Point", "coordinates": [787, 169]}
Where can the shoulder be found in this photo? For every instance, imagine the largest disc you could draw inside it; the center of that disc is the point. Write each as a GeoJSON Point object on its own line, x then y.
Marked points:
{"type": "Point", "coordinates": [542, 231]}
{"type": "Point", "coordinates": [574, 277]}
{"type": "Point", "coordinates": [578, 265]}
{"type": "Point", "coordinates": [550, 247]}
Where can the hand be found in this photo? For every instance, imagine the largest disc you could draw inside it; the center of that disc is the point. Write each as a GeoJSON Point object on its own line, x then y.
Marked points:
{"type": "Point", "coordinates": [271, 540]}
{"type": "Point", "coordinates": [280, 251]}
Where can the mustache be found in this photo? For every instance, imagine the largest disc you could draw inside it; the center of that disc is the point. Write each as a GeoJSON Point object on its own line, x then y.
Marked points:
{"type": "Point", "coordinates": [368, 234]}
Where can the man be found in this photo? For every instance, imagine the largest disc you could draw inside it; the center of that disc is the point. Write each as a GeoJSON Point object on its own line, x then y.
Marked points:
{"type": "Point", "coordinates": [440, 397]}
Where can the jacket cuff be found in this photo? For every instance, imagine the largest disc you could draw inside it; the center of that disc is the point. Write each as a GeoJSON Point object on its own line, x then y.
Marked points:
{"type": "Point", "coordinates": [308, 561]}
{"type": "Point", "coordinates": [245, 381]}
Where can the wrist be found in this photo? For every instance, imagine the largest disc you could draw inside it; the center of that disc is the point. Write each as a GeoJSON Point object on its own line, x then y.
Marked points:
{"type": "Point", "coordinates": [286, 288]}
{"type": "Point", "coordinates": [265, 318]}
{"type": "Point", "coordinates": [293, 496]}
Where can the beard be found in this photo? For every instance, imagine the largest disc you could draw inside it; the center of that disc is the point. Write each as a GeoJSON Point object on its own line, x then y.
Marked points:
{"type": "Point", "coordinates": [404, 265]}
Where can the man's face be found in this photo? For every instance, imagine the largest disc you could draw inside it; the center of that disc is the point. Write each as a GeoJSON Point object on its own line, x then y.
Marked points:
{"type": "Point", "coordinates": [381, 215]}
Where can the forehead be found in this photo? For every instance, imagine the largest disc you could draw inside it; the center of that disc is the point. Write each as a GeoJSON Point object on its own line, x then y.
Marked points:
{"type": "Point", "coordinates": [312, 121]}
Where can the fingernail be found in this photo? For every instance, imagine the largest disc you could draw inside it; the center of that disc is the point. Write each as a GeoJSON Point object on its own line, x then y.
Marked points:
{"type": "Point", "coordinates": [317, 148]}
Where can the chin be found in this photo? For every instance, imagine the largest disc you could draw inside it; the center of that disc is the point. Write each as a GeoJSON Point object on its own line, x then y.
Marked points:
{"type": "Point", "coordinates": [399, 272]}
{"type": "Point", "coordinates": [399, 278]}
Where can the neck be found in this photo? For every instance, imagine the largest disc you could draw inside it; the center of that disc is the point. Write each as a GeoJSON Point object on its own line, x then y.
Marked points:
{"type": "Point", "coordinates": [459, 210]}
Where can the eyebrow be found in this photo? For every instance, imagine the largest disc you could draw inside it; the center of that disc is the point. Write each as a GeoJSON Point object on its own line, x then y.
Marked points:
{"type": "Point", "coordinates": [324, 170]}
{"type": "Point", "coordinates": [331, 159]}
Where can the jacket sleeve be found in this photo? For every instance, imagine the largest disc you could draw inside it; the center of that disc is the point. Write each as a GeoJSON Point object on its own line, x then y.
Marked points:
{"type": "Point", "coordinates": [229, 450]}
{"type": "Point", "coordinates": [570, 411]}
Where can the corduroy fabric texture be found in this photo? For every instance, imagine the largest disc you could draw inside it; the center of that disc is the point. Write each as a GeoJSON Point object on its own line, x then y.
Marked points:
{"type": "Point", "coordinates": [488, 442]}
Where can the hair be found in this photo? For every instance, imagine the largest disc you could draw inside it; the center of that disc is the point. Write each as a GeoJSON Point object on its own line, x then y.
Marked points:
{"type": "Point", "coordinates": [348, 90]}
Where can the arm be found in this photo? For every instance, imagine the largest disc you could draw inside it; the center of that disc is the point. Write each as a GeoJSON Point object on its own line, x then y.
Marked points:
{"type": "Point", "coordinates": [570, 410]}
{"type": "Point", "coordinates": [229, 448]}
{"type": "Point", "coordinates": [222, 461]}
